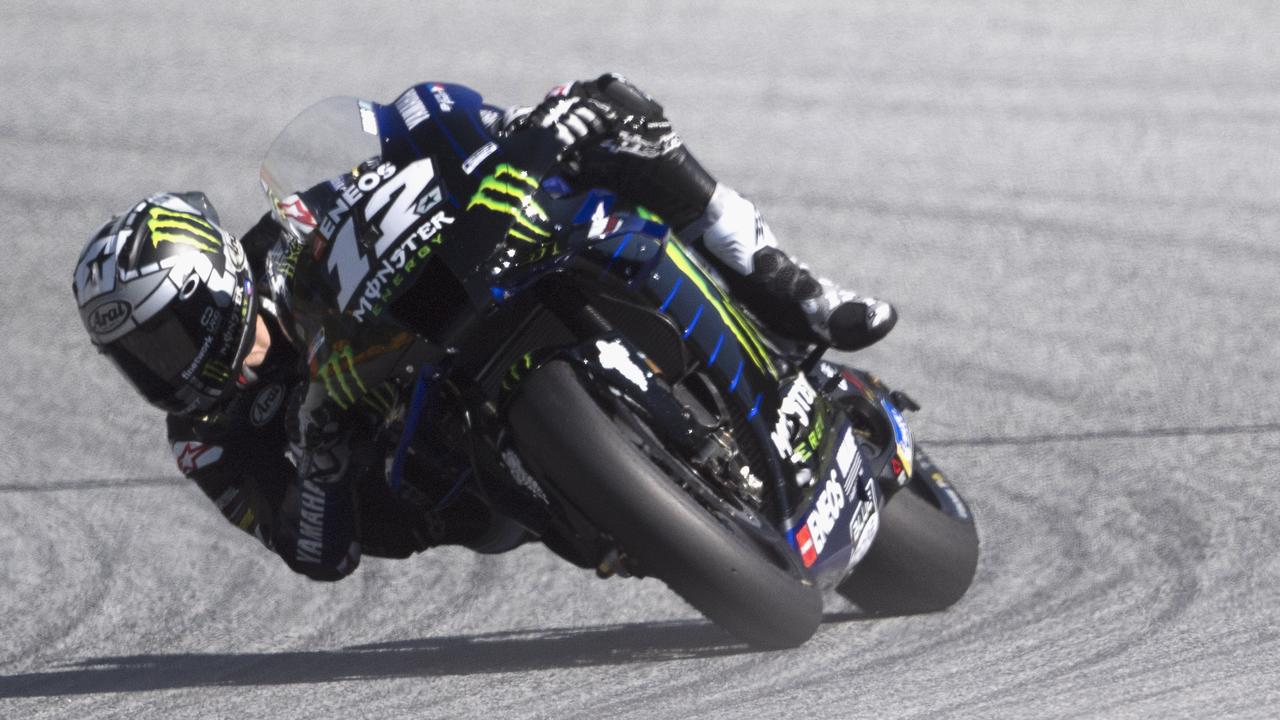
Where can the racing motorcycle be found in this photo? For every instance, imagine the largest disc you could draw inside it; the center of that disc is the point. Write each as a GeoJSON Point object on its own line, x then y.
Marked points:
{"type": "Point", "coordinates": [606, 395]}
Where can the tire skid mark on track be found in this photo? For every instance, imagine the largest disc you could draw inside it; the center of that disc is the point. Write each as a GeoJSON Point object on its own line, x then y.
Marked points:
{"type": "Point", "coordinates": [94, 484]}
{"type": "Point", "coordinates": [1170, 544]}
{"type": "Point", "coordinates": [991, 611]}
{"type": "Point", "coordinates": [1118, 434]}
{"type": "Point", "coordinates": [76, 574]}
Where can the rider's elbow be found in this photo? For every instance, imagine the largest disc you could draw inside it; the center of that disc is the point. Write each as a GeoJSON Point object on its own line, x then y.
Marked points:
{"type": "Point", "coordinates": [324, 569]}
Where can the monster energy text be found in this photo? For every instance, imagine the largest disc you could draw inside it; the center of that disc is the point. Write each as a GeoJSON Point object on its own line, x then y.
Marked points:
{"type": "Point", "coordinates": [377, 289]}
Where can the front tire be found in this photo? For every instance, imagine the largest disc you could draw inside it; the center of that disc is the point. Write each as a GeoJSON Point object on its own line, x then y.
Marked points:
{"type": "Point", "coordinates": [707, 558]}
{"type": "Point", "coordinates": [923, 558]}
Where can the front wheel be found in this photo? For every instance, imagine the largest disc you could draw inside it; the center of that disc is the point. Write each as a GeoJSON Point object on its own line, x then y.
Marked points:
{"type": "Point", "coordinates": [925, 554]}
{"type": "Point", "coordinates": [623, 482]}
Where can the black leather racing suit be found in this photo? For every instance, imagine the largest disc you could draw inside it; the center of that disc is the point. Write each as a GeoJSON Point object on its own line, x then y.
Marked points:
{"type": "Point", "coordinates": [239, 457]}
{"type": "Point", "coordinates": [321, 526]}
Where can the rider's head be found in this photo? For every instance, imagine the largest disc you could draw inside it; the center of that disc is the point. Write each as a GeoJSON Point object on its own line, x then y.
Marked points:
{"type": "Point", "coordinates": [168, 296]}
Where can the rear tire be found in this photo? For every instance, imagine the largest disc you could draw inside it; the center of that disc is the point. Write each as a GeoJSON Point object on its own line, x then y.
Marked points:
{"type": "Point", "coordinates": [713, 563]}
{"type": "Point", "coordinates": [922, 559]}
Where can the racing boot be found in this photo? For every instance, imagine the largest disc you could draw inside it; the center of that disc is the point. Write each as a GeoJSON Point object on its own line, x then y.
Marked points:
{"type": "Point", "coordinates": [779, 290]}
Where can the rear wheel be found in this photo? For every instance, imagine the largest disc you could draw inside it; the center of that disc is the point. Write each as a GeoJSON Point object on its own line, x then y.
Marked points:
{"type": "Point", "coordinates": [925, 554]}
{"type": "Point", "coordinates": [722, 559]}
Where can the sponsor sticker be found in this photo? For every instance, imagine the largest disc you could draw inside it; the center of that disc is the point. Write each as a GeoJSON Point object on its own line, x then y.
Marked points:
{"type": "Point", "coordinates": [804, 541]}
{"type": "Point", "coordinates": [602, 224]}
{"type": "Point", "coordinates": [431, 199]}
{"type": "Point", "coordinates": [825, 513]}
{"type": "Point", "coordinates": [368, 120]}
{"type": "Point", "coordinates": [109, 316]}
{"type": "Point", "coordinates": [471, 163]}
{"type": "Point", "coordinates": [521, 475]}
{"type": "Point", "coordinates": [846, 453]}
{"type": "Point", "coordinates": [793, 415]}
{"type": "Point", "coordinates": [310, 528]}
{"type": "Point", "coordinates": [182, 228]}
{"type": "Point", "coordinates": [297, 213]}
{"type": "Point", "coordinates": [442, 97]}
{"type": "Point", "coordinates": [865, 523]}
{"type": "Point", "coordinates": [266, 404]}
{"type": "Point", "coordinates": [193, 456]}
{"type": "Point", "coordinates": [901, 435]}
{"type": "Point", "coordinates": [614, 356]}
{"type": "Point", "coordinates": [393, 268]}
{"type": "Point", "coordinates": [412, 109]}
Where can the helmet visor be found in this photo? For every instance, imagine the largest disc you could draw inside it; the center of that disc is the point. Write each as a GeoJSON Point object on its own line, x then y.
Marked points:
{"type": "Point", "coordinates": [184, 366]}
{"type": "Point", "coordinates": [155, 356]}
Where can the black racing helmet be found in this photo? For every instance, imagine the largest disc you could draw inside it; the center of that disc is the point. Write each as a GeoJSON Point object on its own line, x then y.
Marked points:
{"type": "Point", "coordinates": [168, 296]}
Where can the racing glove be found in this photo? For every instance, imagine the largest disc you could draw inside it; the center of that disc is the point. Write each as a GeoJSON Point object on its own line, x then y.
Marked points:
{"type": "Point", "coordinates": [576, 122]}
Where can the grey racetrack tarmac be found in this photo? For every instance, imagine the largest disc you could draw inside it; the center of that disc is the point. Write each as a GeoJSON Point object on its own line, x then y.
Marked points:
{"type": "Point", "coordinates": [1073, 205]}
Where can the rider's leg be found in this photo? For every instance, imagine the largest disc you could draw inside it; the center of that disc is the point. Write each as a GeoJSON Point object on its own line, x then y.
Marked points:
{"type": "Point", "coordinates": [781, 291]}
{"type": "Point", "coordinates": [647, 161]}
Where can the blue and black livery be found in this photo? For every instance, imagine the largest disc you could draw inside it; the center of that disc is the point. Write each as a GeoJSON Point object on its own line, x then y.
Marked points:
{"type": "Point", "coordinates": [511, 267]}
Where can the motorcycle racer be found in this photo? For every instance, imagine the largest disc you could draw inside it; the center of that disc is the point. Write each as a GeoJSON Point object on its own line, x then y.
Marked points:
{"type": "Point", "coordinates": [171, 299]}
{"type": "Point", "coordinates": [179, 305]}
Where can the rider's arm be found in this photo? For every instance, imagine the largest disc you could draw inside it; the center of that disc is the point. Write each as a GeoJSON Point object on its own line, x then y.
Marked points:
{"type": "Point", "coordinates": [315, 530]}
{"type": "Point", "coordinates": [258, 241]}
{"type": "Point", "coordinates": [242, 481]}
{"type": "Point", "coordinates": [352, 375]}
{"type": "Point", "coordinates": [639, 156]}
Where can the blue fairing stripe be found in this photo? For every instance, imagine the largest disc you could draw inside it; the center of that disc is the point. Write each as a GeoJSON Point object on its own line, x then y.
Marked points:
{"type": "Point", "coordinates": [672, 295]}
{"type": "Point", "coordinates": [410, 427]}
{"type": "Point", "coordinates": [626, 240]}
{"type": "Point", "coordinates": [694, 323]}
{"type": "Point", "coordinates": [736, 377]}
{"type": "Point", "coordinates": [716, 352]}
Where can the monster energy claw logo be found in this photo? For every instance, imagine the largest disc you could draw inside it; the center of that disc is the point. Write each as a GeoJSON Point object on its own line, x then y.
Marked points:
{"type": "Point", "coordinates": [509, 190]}
{"type": "Point", "coordinates": [216, 371]}
{"type": "Point", "coordinates": [182, 229]}
{"type": "Point", "coordinates": [335, 372]}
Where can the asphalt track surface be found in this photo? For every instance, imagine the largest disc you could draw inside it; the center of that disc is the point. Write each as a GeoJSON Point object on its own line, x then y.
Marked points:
{"type": "Point", "coordinates": [1073, 205]}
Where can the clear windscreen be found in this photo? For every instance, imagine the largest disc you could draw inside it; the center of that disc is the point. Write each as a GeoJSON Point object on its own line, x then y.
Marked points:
{"type": "Point", "coordinates": [321, 143]}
